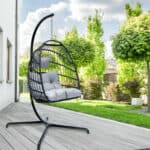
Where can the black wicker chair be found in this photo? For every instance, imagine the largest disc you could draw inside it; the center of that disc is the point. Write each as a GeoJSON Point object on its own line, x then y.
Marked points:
{"type": "Point", "coordinates": [52, 77]}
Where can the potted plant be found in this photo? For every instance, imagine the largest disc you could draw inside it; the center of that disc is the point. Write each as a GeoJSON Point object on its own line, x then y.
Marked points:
{"type": "Point", "coordinates": [133, 88]}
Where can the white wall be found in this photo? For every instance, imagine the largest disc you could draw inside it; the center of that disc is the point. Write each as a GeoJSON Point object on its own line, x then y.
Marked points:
{"type": "Point", "coordinates": [7, 24]}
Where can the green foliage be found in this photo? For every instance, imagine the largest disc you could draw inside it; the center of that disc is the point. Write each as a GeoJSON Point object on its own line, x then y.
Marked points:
{"type": "Point", "coordinates": [133, 88]}
{"type": "Point", "coordinates": [20, 85]}
{"type": "Point", "coordinates": [92, 89]}
{"type": "Point", "coordinates": [23, 68]}
{"type": "Point", "coordinates": [113, 92]}
{"type": "Point", "coordinates": [133, 12]}
{"type": "Point", "coordinates": [132, 45]}
{"type": "Point", "coordinates": [94, 34]}
{"type": "Point", "coordinates": [96, 68]}
{"type": "Point", "coordinates": [132, 42]}
{"type": "Point", "coordinates": [81, 50]}
{"type": "Point", "coordinates": [130, 70]}
{"type": "Point", "coordinates": [92, 74]}
{"type": "Point", "coordinates": [94, 27]}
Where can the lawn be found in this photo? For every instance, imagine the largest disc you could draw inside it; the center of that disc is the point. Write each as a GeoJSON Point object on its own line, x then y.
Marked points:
{"type": "Point", "coordinates": [106, 109]}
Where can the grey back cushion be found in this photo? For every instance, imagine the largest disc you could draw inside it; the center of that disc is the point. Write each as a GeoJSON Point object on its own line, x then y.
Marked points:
{"type": "Point", "coordinates": [50, 81]}
{"type": "Point", "coordinates": [44, 62]}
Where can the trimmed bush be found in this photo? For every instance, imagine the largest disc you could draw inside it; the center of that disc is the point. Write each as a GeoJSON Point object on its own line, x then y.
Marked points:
{"type": "Point", "coordinates": [133, 88]}
{"type": "Point", "coordinates": [92, 89]}
{"type": "Point", "coordinates": [114, 93]}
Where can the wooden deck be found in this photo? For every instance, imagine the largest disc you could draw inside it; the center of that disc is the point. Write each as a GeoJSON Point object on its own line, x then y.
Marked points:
{"type": "Point", "coordinates": [105, 134]}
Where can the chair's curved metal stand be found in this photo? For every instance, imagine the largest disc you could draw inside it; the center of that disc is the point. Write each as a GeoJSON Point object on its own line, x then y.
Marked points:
{"type": "Point", "coordinates": [40, 120]}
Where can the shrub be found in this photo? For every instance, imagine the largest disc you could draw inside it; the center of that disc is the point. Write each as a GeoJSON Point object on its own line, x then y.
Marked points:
{"type": "Point", "coordinates": [111, 91]}
{"type": "Point", "coordinates": [92, 89]}
{"type": "Point", "coordinates": [123, 97]}
{"type": "Point", "coordinates": [23, 85]}
{"type": "Point", "coordinates": [114, 93]}
{"type": "Point", "coordinates": [20, 85]}
{"type": "Point", "coordinates": [133, 88]}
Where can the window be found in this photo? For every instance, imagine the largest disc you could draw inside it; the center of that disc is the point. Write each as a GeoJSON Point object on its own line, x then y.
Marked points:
{"type": "Point", "coordinates": [1, 55]}
{"type": "Point", "coordinates": [9, 62]}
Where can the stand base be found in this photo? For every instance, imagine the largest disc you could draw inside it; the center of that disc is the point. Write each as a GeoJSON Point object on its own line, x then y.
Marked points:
{"type": "Point", "coordinates": [48, 125]}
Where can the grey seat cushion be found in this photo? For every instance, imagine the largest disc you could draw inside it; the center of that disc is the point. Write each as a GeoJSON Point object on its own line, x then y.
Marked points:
{"type": "Point", "coordinates": [62, 94]}
{"type": "Point", "coordinates": [52, 87]}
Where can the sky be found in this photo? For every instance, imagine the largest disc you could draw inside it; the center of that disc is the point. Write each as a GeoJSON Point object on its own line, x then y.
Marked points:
{"type": "Point", "coordinates": [70, 13]}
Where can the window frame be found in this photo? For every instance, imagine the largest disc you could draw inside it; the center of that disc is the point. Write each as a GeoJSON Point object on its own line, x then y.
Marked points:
{"type": "Point", "coordinates": [1, 57]}
{"type": "Point", "coordinates": [9, 63]}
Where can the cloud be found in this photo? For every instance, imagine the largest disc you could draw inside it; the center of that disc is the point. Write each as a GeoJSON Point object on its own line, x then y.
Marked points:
{"type": "Point", "coordinates": [58, 7]}
{"type": "Point", "coordinates": [69, 13]}
{"type": "Point", "coordinates": [26, 28]}
{"type": "Point", "coordinates": [112, 9]}
{"type": "Point", "coordinates": [120, 17]}
{"type": "Point", "coordinates": [61, 32]}
{"type": "Point", "coordinates": [81, 9]}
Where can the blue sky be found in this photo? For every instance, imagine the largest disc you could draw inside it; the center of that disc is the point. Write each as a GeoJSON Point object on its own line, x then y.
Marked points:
{"type": "Point", "coordinates": [69, 13]}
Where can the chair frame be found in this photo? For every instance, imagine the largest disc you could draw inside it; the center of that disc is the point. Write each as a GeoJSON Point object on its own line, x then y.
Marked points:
{"type": "Point", "coordinates": [40, 119]}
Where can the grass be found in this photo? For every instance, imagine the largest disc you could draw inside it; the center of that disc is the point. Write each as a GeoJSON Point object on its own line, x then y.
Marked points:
{"type": "Point", "coordinates": [110, 110]}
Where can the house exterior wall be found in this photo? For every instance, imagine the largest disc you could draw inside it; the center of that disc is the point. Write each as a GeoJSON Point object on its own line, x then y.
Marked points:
{"type": "Point", "coordinates": [7, 25]}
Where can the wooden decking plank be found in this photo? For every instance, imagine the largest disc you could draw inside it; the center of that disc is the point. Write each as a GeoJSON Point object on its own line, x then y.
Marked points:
{"type": "Point", "coordinates": [11, 140]}
{"type": "Point", "coordinates": [121, 138]}
{"type": "Point", "coordinates": [4, 145]}
{"type": "Point", "coordinates": [66, 140]}
{"type": "Point", "coordinates": [50, 138]}
{"type": "Point", "coordinates": [25, 142]}
{"type": "Point", "coordinates": [105, 134]}
{"type": "Point", "coordinates": [111, 142]}
{"type": "Point", "coordinates": [115, 129]}
{"type": "Point", "coordinates": [29, 136]}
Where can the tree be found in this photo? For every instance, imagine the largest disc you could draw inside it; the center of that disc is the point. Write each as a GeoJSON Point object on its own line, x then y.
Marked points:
{"type": "Point", "coordinates": [94, 71]}
{"type": "Point", "coordinates": [81, 50]}
{"type": "Point", "coordinates": [133, 12]}
{"type": "Point", "coordinates": [132, 43]}
{"type": "Point", "coordinates": [94, 34]}
{"type": "Point", "coordinates": [130, 70]}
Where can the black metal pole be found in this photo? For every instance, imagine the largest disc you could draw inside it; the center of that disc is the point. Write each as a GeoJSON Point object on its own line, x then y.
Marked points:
{"type": "Point", "coordinates": [16, 52]}
{"type": "Point", "coordinates": [35, 30]}
{"type": "Point", "coordinates": [51, 28]}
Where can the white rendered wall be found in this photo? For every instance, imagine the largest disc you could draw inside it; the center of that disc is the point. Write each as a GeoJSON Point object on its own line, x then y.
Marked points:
{"type": "Point", "coordinates": [7, 24]}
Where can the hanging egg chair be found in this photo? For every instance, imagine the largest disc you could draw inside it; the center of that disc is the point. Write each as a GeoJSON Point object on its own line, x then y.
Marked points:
{"type": "Point", "coordinates": [52, 77]}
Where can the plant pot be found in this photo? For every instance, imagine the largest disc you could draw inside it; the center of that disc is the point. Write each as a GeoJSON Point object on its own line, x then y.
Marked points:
{"type": "Point", "coordinates": [136, 101]}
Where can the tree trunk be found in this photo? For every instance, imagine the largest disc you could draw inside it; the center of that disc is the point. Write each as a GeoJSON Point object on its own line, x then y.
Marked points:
{"type": "Point", "coordinates": [148, 85]}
